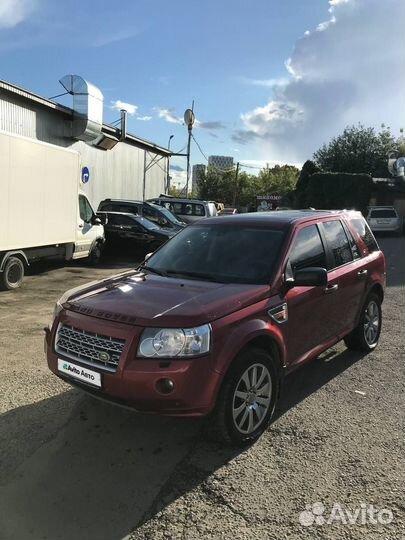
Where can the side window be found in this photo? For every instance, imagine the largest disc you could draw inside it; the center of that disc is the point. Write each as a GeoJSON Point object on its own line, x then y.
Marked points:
{"type": "Point", "coordinates": [363, 230]}
{"type": "Point", "coordinates": [151, 214]}
{"type": "Point", "coordinates": [178, 208]}
{"type": "Point", "coordinates": [353, 246]}
{"type": "Point", "coordinates": [128, 208]}
{"type": "Point", "coordinates": [337, 242]}
{"type": "Point", "coordinates": [85, 210]}
{"type": "Point", "coordinates": [307, 249]}
{"type": "Point", "coordinates": [198, 210]}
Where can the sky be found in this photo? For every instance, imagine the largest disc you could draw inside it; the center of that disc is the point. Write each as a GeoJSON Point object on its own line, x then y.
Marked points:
{"type": "Point", "coordinates": [272, 80]}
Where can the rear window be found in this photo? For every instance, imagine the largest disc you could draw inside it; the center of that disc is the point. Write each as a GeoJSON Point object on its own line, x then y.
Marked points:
{"type": "Point", "coordinates": [383, 213]}
{"type": "Point", "coordinates": [363, 230]}
{"type": "Point", "coordinates": [119, 207]}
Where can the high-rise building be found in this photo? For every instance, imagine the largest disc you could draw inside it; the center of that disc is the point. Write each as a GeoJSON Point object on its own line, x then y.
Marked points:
{"type": "Point", "coordinates": [220, 162]}
{"type": "Point", "coordinates": [198, 171]}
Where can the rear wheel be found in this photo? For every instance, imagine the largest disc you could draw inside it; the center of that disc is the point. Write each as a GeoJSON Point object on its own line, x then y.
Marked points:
{"type": "Point", "coordinates": [13, 274]}
{"type": "Point", "coordinates": [247, 399]}
{"type": "Point", "coordinates": [366, 335]}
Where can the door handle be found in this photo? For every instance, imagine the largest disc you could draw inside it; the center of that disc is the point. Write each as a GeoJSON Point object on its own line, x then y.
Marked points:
{"type": "Point", "coordinates": [331, 288]}
{"type": "Point", "coordinates": [362, 272]}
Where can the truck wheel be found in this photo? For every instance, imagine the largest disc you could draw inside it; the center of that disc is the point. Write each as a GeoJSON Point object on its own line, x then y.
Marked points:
{"type": "Point", "coordinates": [366, 335]}
{"type": "Point", "coordinates": [13, 274]}
{"type": "Point", "coordinates": [246, 400]}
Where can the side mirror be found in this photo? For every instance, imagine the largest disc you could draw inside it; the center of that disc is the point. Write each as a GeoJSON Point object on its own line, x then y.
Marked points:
{"type": "Point", "coordinates": [100, 219]}
{"type": "Point", "coordinates": [311, 277]}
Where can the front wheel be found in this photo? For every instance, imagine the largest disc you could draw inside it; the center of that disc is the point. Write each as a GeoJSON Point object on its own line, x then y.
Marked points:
{"type": "Point", "coordinates": [366, 335]}
{"type": "Point", "coordinates": [247, 399]}
{"type": "Point", "coordinates": [95, 255]}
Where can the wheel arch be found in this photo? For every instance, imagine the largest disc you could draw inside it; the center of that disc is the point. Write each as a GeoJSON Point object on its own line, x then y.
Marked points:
{"type": "Point", "coordinates": [16, 253]}
{"type": "Point", "coordinates": [377, 288]}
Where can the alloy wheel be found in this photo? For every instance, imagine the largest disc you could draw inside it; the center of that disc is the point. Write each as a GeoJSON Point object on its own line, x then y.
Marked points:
{"type": "Point", "coordinates": [371, 323]}
{"type": "Point", "coordinates": [252, 398]}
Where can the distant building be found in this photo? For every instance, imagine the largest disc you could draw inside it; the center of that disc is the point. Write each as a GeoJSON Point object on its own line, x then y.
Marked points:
{"type": "Point", "coordinates": [220, 162]}
{"type": "Point", "coordinates": [198, 172]}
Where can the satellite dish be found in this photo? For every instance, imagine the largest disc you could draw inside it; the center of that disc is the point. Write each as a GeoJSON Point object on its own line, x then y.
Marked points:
{"type": "Point", "coordinates": [189, 118]}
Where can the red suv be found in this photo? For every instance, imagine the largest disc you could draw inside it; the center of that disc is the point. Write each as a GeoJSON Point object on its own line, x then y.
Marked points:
{"type": "Point", "coordinates": [214, 319]}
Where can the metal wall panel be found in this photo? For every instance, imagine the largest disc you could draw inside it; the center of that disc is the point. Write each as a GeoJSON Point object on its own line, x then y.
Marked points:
{"type": "Point", "coordinates": [115, 173]}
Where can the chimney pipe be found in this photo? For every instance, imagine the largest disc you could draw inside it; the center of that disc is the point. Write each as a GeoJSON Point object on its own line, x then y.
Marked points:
{"type": "Point", "coordinates": [123, 124]}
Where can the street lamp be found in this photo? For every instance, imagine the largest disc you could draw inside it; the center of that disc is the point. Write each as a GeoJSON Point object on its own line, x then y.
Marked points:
{"type": "Point", "coordinates": [189, 119]}
{"type": "Point", "coordinates": [168, 165]}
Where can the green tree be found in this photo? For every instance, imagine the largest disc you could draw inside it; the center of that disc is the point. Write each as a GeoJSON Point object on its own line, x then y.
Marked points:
{"type": "Point", "coordinates": [279, 179]}
{"type": "Point", "coordinates": [308, 168]}
{"type": "Point", "coordinates": [357, 150]}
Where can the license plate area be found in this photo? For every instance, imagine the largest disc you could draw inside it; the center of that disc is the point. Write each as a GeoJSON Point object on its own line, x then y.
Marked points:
{"type": "Point", "coordinates": [80, 373]}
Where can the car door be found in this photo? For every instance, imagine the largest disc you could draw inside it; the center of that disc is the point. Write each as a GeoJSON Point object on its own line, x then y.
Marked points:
{"type": "Point", "coordinates": [85, 229]}
{"type": "Point", "coordinates": [347, 275]}
{"type": "Point", "coordinates": [309, 310]}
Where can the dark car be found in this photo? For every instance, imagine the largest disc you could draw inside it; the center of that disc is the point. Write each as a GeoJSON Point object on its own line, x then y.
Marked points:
{"type": "Point", "coordinates": [212, 322]}
{"type": "Point", "coordinates": [161, 216]}
{"type": "Point", "coordinates": [143, 234]}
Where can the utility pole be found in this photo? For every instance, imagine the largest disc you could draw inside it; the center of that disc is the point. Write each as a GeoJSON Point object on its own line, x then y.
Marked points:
{"type": "Point", "coordinates": [168, 166]}
{"type": "Point", "coordinates": [189, 121]}
{"type": "Point", "coordinates": [235, 191]}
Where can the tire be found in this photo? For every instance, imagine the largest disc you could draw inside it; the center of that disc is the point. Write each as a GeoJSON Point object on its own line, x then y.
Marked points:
{"type": "Point", "coordinates": [366, 335]}
{"type": "Point", "coordinates": [13, 274]}
{"type": "Point", "coordinates": [95, 255]}
{"type": "Point", "coordinates": [239, 419]}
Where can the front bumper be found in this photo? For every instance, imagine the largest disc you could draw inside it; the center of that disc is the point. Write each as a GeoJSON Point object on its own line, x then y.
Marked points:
{"type": "Point", "coordinates": [135, 383]}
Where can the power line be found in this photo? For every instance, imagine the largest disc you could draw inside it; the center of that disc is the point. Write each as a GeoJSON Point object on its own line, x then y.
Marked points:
{"type": "Point", "coordinates": [199, 147]}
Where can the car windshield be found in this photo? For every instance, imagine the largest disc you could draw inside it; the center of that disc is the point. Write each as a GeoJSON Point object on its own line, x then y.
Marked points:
{"type": "Point", "coordinates": [168, 214]}
{"type": "Point", "coordinates": [221, 253]}
{"type": "Point", "coordinates": [147, 224]}
{"type": "Point", "coordinates": [383, 213]}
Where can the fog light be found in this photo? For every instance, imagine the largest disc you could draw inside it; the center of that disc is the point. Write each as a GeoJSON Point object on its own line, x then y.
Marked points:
{"type": "Point", "coordinates": [165, 386]}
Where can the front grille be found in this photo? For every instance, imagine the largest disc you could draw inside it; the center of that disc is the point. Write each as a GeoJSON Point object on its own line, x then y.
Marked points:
{"type": "Point", "coordinates": [89, 347]}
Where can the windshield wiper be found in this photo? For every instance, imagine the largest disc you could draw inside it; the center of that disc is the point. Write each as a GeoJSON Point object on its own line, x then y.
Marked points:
{"type": "Point", "coordinates": [152, 270]}
{"type": "Point", "coordinates": [193, 275]}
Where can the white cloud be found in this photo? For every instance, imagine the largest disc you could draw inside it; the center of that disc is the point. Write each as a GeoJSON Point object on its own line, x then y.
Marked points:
{"type": "Point", "coordinates": [129, 107]}
{"type": "Point", "coordinates": [349, 71]}
{"type": "Point", "coordinates": [13, 12]}
{"type": "Point", "coordinates": [144, 118]}
{"type": "Point", "coordinates": [265, 82]}
{"type": "Point", "coordinates": [169, 116]}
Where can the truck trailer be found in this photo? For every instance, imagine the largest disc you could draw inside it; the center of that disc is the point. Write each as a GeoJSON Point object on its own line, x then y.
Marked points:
{"type": "Point", "coordinates": [43, 213]}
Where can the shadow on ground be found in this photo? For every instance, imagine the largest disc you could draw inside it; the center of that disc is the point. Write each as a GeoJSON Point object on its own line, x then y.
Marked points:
{"type": "Point", "coordinates": [107, 469]}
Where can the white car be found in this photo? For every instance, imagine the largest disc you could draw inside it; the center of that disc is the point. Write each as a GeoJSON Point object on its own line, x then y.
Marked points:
{"type": "Point", "coordinates": [384, 219]}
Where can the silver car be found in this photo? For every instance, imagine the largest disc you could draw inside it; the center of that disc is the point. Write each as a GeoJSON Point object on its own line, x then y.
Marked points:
{"type": "Point", "coordinates": [188, 210]}
{"type": "Point", "coordinates": [384, 219]}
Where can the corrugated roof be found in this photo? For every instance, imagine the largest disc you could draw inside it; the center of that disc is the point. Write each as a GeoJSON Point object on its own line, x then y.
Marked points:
{"type": "Point", "coordinates": [107, 129]}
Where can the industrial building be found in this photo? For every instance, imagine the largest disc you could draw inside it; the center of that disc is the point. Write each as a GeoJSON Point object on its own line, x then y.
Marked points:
{"type": "Point", "coordinates": [114, 163]}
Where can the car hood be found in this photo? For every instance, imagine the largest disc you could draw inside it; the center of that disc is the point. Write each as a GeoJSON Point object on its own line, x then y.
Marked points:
{"type": "Point", "coordinates": [146, 299]}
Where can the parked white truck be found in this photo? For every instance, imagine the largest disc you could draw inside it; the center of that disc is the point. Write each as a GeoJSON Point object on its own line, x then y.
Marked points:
{"type": "Point", "coordinates": [43, 214]}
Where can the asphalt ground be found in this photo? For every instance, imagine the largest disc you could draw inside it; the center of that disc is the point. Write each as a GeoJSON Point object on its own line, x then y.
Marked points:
{"type": "Point", "coordinates": [74, 467]}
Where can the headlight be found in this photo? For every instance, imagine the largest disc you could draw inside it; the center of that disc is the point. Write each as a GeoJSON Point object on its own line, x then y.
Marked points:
{"type": "Point", "coordinates": [171, 342]}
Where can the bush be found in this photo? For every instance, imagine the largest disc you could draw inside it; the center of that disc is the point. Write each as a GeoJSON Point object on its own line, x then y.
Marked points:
{"type": "Point", "coordinates": [339, 190]}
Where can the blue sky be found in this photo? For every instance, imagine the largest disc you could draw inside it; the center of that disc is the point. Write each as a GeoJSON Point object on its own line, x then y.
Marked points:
{"type": "Point", "coordinates": [228, 55]}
